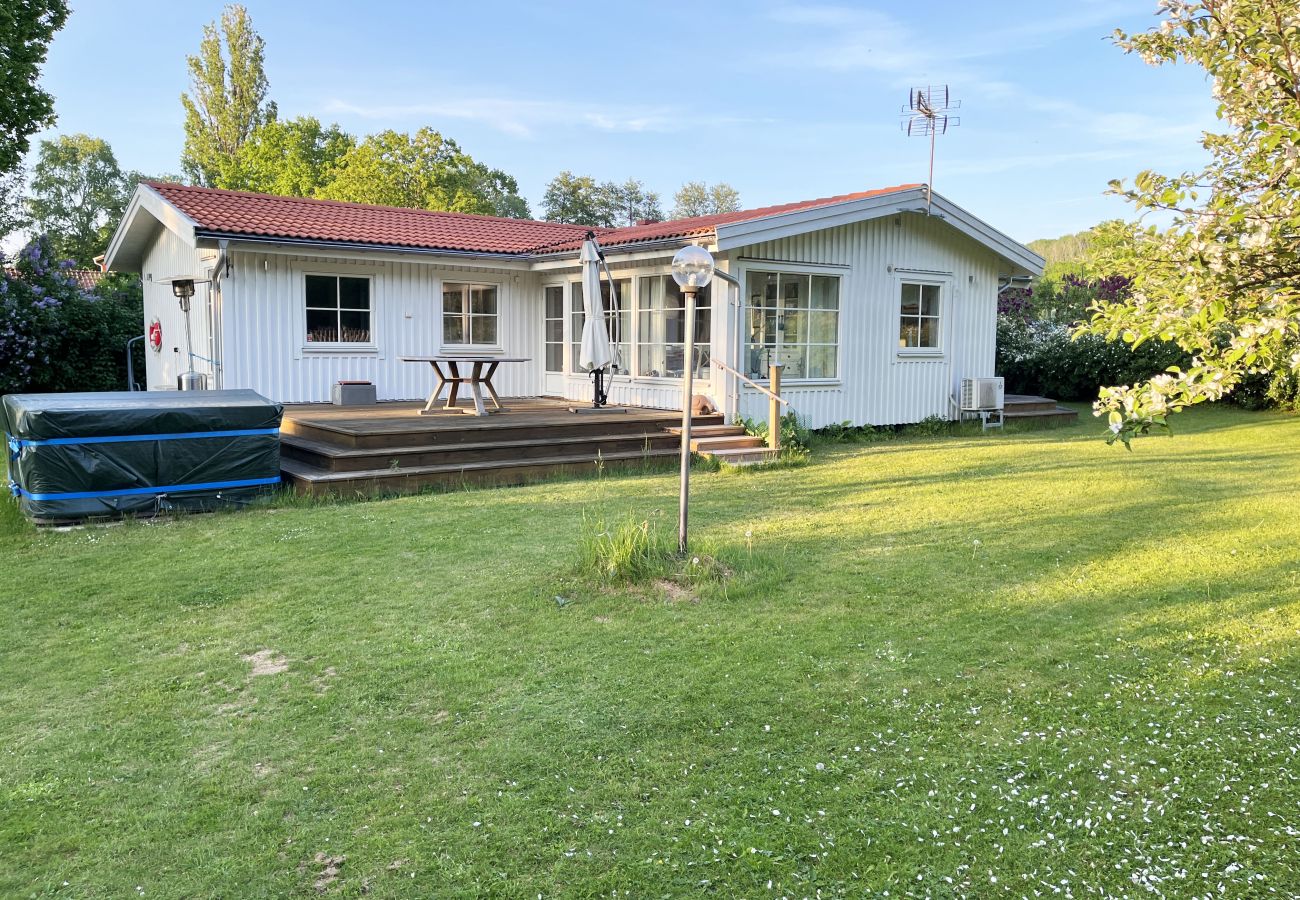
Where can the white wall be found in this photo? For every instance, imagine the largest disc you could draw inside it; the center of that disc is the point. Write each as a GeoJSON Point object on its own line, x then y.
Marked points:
{"type": "Point", "coordinates": [171, 257]}
{"type": "Point", "coordinates": [264, 326]}
{"type": "Point", "coordinates": [878, 385]}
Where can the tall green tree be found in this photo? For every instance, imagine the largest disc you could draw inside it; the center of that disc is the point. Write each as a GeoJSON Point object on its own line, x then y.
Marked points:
{"type": "Point", "coordinates": [580, 199]}
{"type": "Point", "coordinates": [695, 198]}
{"type": "Point", "coordinates": [227, 100]}
{"type": "Point", "coordinates": [1223, 281]}
{"type": "Point", "coordinates": [77, 196]}
{"type": "Point", "coordinates": [26, 28]}
{"type": "Point", "coordinates": [292, 158]}
{"type": "Point", "coordinates": [423, 170]}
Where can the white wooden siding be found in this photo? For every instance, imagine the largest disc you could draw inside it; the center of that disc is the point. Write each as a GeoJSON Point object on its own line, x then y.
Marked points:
{"type": "Point", "coordinates": [169, 257]}
{"type": "Point", "coordinates": [877, 385]}
{"type": "Point", "coordinates": [264, 332]}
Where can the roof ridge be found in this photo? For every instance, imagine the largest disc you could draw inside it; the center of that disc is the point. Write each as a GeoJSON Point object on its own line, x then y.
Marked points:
{"type": "Point", "coordinates": [259, 195]}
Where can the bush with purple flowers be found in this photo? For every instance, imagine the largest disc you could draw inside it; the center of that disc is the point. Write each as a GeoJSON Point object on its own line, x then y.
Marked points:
{"type": "Point", "coordinates": [54, 336]}
{"type": "Point", "coordinates": [1037, 354]}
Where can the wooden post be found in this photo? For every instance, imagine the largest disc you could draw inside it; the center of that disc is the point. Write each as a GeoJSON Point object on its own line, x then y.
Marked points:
{"type": "Point", "coordinates": [688, 390]}
{"type": "Point", "coordinates": [774, 407]}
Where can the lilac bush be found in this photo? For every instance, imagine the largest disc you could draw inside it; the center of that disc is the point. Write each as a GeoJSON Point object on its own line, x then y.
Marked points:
{"type": "Point", "coordinates": [54, 336]}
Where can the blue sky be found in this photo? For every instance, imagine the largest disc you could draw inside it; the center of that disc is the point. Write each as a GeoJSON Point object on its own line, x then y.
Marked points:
{"type": "Point", "coordinates": [786, 101]}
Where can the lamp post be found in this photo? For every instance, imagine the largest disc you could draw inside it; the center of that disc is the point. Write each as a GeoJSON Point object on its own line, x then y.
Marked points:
{"type": "Point", "coordinates": [692, 270]}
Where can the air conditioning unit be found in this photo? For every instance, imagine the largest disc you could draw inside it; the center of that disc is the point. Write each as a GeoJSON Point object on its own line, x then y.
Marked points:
{"type": "Point", "coordinates": [979, 394]}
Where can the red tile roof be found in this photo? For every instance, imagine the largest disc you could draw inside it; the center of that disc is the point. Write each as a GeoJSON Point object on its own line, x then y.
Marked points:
{"type": "Point", "coordinates": [293, 218]}
{"type": "Point", "coordinates": [86, 279]}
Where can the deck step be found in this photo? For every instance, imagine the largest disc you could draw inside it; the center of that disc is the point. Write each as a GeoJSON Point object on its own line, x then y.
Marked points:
{"type": "Point", "coordinates": [313, 480]}
{"type": "Point", "coordinates": [740, 441]}
{"type": "Point", "coordinates": [708, 430]}
{"type": "Point", "coordinates": [1026, 403]}
{"type": "Point", "coordinates": [745, 457]}
{"type": "Point", "coordinates": [1056, 416]}
{"type": "Point", "coordinates": [338, 458]}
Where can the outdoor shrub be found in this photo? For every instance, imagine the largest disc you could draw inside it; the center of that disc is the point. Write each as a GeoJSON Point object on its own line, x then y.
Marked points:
{"type": "Point", "coordinates": [795, 437]}
{"type": "Point", "coordinates": [1043, 358]}
{"type": "Point", "coordinates": [55, 336]}
{"type": "Point", "coordinates": [930, 426]}
{"type": "Point", "coordinates": [1268, 390]}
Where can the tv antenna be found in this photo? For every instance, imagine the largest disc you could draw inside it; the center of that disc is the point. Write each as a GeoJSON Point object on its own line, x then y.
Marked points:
{"type": "Point", "coordinates": [928, 114]}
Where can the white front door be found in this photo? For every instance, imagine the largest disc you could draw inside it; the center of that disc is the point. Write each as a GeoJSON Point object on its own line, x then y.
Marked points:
{"type": "Point", "coordinates": [553, 340]}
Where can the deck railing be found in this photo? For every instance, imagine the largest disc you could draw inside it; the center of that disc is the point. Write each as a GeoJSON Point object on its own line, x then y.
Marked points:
{"type": "Point", "coordinates": [774, 399]}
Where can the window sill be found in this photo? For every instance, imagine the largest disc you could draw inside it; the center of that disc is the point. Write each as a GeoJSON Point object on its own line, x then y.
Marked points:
{"type": "Point", "coordinates": [919, 355]}
{"type": "Point", "coordinates": [340, 349]}
{"type": "Point", "coordinates": [470, 350]}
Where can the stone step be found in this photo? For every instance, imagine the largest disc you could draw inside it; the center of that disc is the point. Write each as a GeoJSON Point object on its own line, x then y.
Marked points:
{"type": "Point", "coordinates": [740, 441]}
{"type": "Point", "coordinates": [744, 457]}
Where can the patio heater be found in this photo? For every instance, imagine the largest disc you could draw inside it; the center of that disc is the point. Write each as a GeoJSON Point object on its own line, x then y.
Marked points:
{"type": "Point", "coordinates": [692, 270]}
{"type": "Point", "coordinates": [189, 380]}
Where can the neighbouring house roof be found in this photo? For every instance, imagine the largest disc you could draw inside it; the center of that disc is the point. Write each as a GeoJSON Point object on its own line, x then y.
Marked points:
{"type": "Point", "coordinates": [86, 279]}
{"type": "Point", "coordinates": [210, 213]}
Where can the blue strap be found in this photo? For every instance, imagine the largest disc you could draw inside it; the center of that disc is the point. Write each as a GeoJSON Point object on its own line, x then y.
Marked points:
{"type": "Point", "coordinates": [16, 444]}
{"type": "Point", "coordinates": [135, 492]}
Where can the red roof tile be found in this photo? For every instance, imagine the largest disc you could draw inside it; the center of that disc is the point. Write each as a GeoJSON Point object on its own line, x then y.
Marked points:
{"type": "Point", "coordinates": [293, 218]}
{"type": "Point", "coordinates": [266, 215]}
{"type": "Point", "coordinates": [86, 279]}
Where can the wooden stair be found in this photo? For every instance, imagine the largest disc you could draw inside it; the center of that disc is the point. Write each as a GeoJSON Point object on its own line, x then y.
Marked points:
{"type": "Point", "coordinates": [1040, 410]}
{"type": "Point", "coordinates": [728, 443]}
{"type": "Point", "coordinates": [320, 456]}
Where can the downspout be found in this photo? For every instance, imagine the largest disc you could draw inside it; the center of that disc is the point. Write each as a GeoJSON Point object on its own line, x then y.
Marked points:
{"type": "Point", "coordinates": [215, 321]}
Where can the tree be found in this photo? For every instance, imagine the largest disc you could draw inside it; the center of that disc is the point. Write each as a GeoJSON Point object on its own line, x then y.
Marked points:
{"type": "Point", "coordinates": [293, 158]}
{"type": "Point", "coordinates": [695, 198]}
{"type": "Point", "coordinates": [633, 203]}
{"type": "Point", "coordinates": [56, 337]}
{"type": "Point", "coordinates": [228, 99]}
{"type": "Point", "coordinates": [581, 200]}
{"type": "Point", "coordinates": [26, 28]}
{"type": "Point", "coordinates": [77, 196]}
{"type": "Point", "coordinates": [576, 199]}
{"type": "Point", "coordinates": [1223, 281]}
{"type": "Point", "coordinates": [12, 207]}
{"type": "Point", "coordinates": [423, 170]}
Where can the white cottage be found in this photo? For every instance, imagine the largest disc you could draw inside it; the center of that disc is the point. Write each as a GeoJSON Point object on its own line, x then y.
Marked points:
{"type": "Point", "coordinates": [876, 303]}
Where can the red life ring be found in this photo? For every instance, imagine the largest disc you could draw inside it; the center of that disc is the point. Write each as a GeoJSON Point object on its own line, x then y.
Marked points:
{"type": "Point", "coordinates": [155, 336]}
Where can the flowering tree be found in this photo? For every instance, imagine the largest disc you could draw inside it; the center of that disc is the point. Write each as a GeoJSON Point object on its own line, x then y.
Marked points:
{"type": "Point", "coordinates": [1223, 281]}
{"type": "Point", "coordinates": [56, 337]}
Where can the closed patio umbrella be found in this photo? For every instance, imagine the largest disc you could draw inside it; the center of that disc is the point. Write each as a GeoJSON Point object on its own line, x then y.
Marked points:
{"type": "Point", "coordinates": [595, 354]}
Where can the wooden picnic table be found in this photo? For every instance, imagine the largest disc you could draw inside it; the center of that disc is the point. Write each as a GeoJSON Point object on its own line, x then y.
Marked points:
{"type": "Point", "coordinates": [481, 370]}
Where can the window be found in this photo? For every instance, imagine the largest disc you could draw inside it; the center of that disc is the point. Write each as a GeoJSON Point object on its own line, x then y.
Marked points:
{"type": "Point", "coordinates": [918, 327]}
{"type": "Point", "coordinates": [619, 323]}
{"type": "Point", "coordinates": [553, 323]}
{"type": "Point", "coordinates": [661, 329]}
{"type": "Point", "coordinates": [338, 309]}
{"type": "Point", "coordinates": [794, 319]}
{"type": "Point", "coordinates": [469, 314]}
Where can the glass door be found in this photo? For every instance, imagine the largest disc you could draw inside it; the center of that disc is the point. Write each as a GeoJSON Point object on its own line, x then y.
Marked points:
{"type": "Point", "coordinates": [553, 340]}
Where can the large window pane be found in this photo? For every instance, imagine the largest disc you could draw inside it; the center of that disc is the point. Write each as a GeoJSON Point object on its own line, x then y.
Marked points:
{"type": "Point", "coordinates": [919, 316]}
{"type": "Point", "coordinates": [322, 326]}
{"type": "Point", "coordinates": [661, 329]}
{"type": "Point", "coordinates": [354, 293]}
{"type": "Point", "coordinates": [793, 319]}
{"type": "Point", "coordinates": [321, 292]}
{"type": "Point", "coordinates": [338, 309]}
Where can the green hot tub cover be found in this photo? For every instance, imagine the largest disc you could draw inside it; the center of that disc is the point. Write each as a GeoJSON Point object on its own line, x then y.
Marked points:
{"type": "Point", "coordinates": [72, 456]}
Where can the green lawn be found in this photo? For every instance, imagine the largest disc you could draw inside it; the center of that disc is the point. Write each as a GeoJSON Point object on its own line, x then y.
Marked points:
{"type": "Point", "coordinates": [1024, 665]}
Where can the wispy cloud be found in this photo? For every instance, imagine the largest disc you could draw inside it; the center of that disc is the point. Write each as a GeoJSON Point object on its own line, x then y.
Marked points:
{"type": "Point", "coordinates": [525, 118]}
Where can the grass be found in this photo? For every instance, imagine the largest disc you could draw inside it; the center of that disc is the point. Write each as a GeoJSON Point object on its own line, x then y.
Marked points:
{"type": "Point", "coordinates": [983, 665]}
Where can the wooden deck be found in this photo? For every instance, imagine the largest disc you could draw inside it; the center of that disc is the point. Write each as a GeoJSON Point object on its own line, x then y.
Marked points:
{"type": "Point", "coordinates": [391, 448]}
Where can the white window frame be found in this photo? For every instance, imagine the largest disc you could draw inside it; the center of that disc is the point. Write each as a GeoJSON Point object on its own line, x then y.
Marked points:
{"type": "Point", "coordinates": [370, 346]}
{"type": "Point", "coordinates": [634, 343]}
{"type": "Point", "coordinates": [829, 270]}
{"type": "Point", "coordinates": [944, 284]}
{"type": "Point", "coordinates": [451, 347]}
{"type": "Point", "coordinates": [564, 327]}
